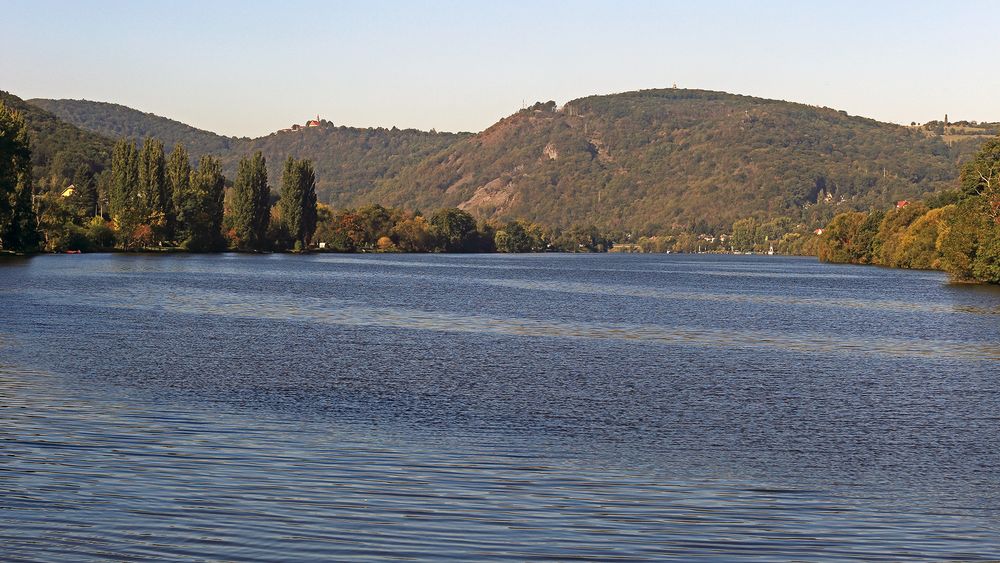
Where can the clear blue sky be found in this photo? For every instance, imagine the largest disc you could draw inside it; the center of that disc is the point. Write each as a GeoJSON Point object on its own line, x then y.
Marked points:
{"type": "Point", "coordinates": [248, 68]}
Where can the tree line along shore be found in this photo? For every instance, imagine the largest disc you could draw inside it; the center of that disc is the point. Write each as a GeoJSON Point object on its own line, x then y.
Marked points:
{"type": "Point", "coordinates": [956, 231]}
{"type": "Point", "coordinates": [149, 200]}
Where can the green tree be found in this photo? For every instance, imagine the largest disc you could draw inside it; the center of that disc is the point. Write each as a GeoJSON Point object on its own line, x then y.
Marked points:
{"type": "Point", "coordinates": [744, 234]}
{"type": "Point", "coordinates": [154, 192]}
{"type": "Point", "coordinates": [455, 230]}
{"type": "Point", "coordinates": [980, 177]}
{"type": "Point", "coordinates": [307, 176]}
{"type": "Point", "coordinates": [56, 217]}
{"type": "Point", "coordinates": [583, 239]}
{"type": "Point", "coordinates": [514, 237]}
{"type": "Point", "coordinates": [18, 225]}
{"type": "Point", "coordinates": [377, 222]}
{"type": "Point", "coordinates": [84, 198]}
{"type": "Point", "coordinates": [685, 242]}
{"type": "Point", "coordinates": [986, 267]}
{"type": "Point", "coordinates": [918, 246]}
{"type": "Point", "coordinates": [202, 207]}
{"type": "Point", "coordinates": [251, 207]}
{"type": "Point", "coordinates": [887, 242]}
{"type": "Point", "coordinates": [277, 233]}
{"type": "Point", "coordinates": [99, 234]}
{"type": "Point", "coordinates": [969, 243]}
{"type": "Point", "coordinates": [123, 195]}
{"type": "Point", "coordinates": [840, 242]}
{"type": "Point", "coordinates": [298, 201]}
{"type": "Point", "coordinates": [179, 178]}
{"type": "Point", "coordinates": [770, 232]}
{"type": "Point", "coordinates": [867, 233]}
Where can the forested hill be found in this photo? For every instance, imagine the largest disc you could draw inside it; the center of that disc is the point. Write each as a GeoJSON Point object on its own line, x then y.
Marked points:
{"type": "Point", "coordinates": [660, 159]}
{"type": "Point", "coordinates": [117, 121]}
{"type": "Point", "coordinates": [648, 161]}
{"type": "Point", "coordinates": [349, 161]}
{"type": "Point", "coordinates": [61, 153]}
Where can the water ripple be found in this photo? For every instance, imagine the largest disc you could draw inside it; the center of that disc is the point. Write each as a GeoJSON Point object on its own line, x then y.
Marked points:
{"type": "Point", "coordinates": [345, 312]}
{"type": "Point", "coordinates": [100, 473]}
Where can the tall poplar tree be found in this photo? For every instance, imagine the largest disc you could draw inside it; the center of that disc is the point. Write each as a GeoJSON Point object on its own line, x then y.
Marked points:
{"type": "Point", "coordinates": [307, 177]}
{"type": "Point", "coordinates": [18, 225]}
{"type": "Point", "coordinates": [123, 192]}
{"type": "Point", "coordinates": [85, 198]}
{"type": "Point", "coordinates": [298, 201]}
{"type": "Point", "coordinates": [290, 202]}
{"type": "Point", "coordinates": [251, 209]}
{"type": "Point", "coordinates": [154, 191]}
{"type": "Point", "coordinates": [179, 178]}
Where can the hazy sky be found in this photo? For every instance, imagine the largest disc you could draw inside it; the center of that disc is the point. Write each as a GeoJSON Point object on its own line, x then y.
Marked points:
{"type": "Point", "coordinates": [248, 68]}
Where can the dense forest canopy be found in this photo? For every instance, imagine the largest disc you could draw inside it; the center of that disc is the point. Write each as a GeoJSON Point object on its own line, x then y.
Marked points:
{"type": "Point", "coordinates": [349, 161]}
{"type": "Point", "coordinates": [957, 231]}
{"type": "Point", "coordinates": [666, 159]}
{"type": "Point", "coordinates": [61, 153]}
{"type": "Point", "coordinates": [115, 121]}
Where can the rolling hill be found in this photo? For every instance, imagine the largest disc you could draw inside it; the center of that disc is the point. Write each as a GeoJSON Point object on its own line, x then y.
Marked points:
{"type": "Point", "coordinates": [59, 148]}
{"type": "Point", "coordinates": [116, 121]}
{"type": "Point", "coordinates": [657, 159]}
{"type": "Point", "coordinates": [348, 160]}
{"type": "Point", "coordinates": [647, 160]}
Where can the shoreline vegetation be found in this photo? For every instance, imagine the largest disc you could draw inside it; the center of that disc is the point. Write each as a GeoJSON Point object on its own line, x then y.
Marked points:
{"type": "Point", "coordinates": [149, 201]}
{"type": "Point", "coordinates": [957, 232]}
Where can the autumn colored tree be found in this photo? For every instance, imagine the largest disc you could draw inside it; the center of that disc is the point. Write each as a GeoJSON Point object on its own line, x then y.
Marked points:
{"type": "Point", "coordinates": [413, 234]}
{"type": "Point", "coordinates": [918, 245]}
{"type": "Point", "coordinates": [744, 234]}
{"type": "Point", "coordinates": [840, 241]}
{"type": "Point", "coordinates": [888, 240]}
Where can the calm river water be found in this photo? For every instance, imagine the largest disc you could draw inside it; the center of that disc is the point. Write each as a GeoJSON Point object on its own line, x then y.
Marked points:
{"type": "Point", "coordinates": [494, 407]}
